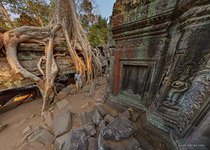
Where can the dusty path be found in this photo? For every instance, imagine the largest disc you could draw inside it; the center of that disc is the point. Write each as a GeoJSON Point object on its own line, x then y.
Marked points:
{"type": "Point", "coordinates": [28, 114]}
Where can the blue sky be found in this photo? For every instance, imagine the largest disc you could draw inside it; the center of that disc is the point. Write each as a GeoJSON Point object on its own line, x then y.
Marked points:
{"type": "Point", "coordinates": [105, 7]}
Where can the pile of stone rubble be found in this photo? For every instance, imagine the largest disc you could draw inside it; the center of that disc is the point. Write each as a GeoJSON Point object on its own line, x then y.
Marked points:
{"type": "Point", "coordinates": [98, 130]}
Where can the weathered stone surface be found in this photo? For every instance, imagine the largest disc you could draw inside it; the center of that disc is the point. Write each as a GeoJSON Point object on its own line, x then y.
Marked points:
{"type": "Point", "coordinates": [76, 140]}
{"type": "Point", "coordinates": [63, 93]}
{"type": "Point", "coordinates": [86, 118]}
{"type": "Point", "coordinates": [100, 100]}
{"type": "Point", "coordinates": [92, 144]}
{"type": "Point", "coordinates": [128, 144]}
{"type": "Point", "coordinates": [89, 130]}
{"type": "Point", "coordinates": [59, 142]}
{"type": "Point", "coordinates": [41, 135]}
{"type": "Point", "coordinates": [97, 117]}
{"type": "Point", "coordinates": [101, 125]}
{"type": "Point", "coordinates": [86, 88]}
{"type": "Point", "coordinates": [119, 129]}
{"type": "Point", "coordinates": [108, 118]}
{"type": "Point", "coordinates": [61, 104]}
{"type": "Point", "coordinates": [135, 117]}
{"type": "Point", "coordinates": [127, 114]}
{"type": "Point", "coordinates": [161, 60]}
{"type": "Point", "coordinates": [62, 123]}
{"type": "Point", "coordinates": [101, 110]}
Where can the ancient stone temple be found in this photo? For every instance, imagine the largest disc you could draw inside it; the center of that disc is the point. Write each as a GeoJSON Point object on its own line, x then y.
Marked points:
{"type": "Point", "coordinates": [161, 64]}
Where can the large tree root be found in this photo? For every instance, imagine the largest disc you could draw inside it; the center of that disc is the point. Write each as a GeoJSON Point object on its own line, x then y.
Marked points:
{"type": "Point", "coordinates": [65, 24]}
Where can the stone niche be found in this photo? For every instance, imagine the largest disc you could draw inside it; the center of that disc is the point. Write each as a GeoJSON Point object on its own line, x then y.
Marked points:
{"type": "Point", "coordinates": [161, 63]}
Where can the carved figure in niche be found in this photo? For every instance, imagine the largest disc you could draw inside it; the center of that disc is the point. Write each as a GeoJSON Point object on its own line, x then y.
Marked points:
{"type": "Point", "coordinates": [176, 92]}
{"type": "Point", "coordinates": [177, 88]}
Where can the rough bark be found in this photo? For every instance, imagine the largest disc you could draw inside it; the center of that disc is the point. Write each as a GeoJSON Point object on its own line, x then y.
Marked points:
{"type": "Point", "coordinates": [1, 41]}
{"type": "Point", "coordinates": [65, 24]}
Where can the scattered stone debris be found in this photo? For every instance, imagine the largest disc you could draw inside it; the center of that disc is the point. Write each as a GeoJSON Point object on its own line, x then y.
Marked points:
{"type": "Point", "coordinates": [89, 130]}
{"type": "Point", "coordinates": [92, 144]}
{"type": "Point", "coordinates": [100, 100]}
{"type": "Point", "coordinates": [114, 113]}
{"type": "Point", "coordinates": [86, 118]}
{"type": "Point", "coordinates": [76, 140]}
{"type": "Point", "coordinates": [62, 123]}
{"type": "Point", "coordinates": [108, 118]}
{"type": "Point", "coordinates": [119, 129]}
{"type": "Point", "coordinates": [97, 117]}
{"type": "Point", "coordinates": [59, 142]}
{"type": "Point", "coordinates": [41, 135]}
{"type": "Point", "coordinates": [63, 93]}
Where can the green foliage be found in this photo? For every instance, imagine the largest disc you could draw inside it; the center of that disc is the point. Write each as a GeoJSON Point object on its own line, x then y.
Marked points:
{"type": "Point", "coordinates": [98, 33]}
{"type": "Point", "coordinates": [95, 26]}
{"type": "Point", "coordinates": [28, 12]}
{"type": "Point", "coordinates": [39, 12]}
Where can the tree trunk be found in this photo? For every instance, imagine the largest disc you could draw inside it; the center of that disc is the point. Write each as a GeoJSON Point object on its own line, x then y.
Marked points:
{"type": "Point", "coordinates": [65, 24]}
{"type": "Point", "coordinates": [1, 41]}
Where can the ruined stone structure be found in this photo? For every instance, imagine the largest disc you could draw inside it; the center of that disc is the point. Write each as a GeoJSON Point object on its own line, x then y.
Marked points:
{"type": "Point", "coordinates": [29, 55]}
{"type": "Point", "coordinates": [161, 64]}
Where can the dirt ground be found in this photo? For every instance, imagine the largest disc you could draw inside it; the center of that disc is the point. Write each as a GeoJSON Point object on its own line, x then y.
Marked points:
{"type": "Point", "coordinates": [28, 114]}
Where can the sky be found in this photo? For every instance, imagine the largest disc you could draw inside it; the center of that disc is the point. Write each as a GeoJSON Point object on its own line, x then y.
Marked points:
{"type": "Point", "coordinates": [105, 7]}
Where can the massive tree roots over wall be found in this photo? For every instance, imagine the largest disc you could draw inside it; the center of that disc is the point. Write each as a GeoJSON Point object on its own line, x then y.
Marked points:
{"type": "Point", "coordinates": [64, 26]}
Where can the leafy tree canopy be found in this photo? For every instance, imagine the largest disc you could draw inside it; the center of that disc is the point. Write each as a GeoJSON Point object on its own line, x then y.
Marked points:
{"type": "Point", "coordinates": [39, 13]}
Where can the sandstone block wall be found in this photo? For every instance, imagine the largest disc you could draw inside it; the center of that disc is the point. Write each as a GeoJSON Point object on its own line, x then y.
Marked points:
{"type": "Point", "coordinates": [161, 60]}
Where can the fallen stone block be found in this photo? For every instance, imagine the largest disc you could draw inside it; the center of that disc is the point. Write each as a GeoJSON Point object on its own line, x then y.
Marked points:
{"type": "Point", "coordinates": [62, 123]}
{"type": "Point", "coordinates": [76, 140]}
{"type": "Point", "coordinates": [108, 118]}
{"type": "Point", "coordinates": [92, 144]}
{"type": "Point", "coordinates": [114, 113]}
{"type": "Point", "coordinates": [89, 130]}
{"type": "Point", "coordinates": [119, 129]}
{"type": "Point", "coordinates": [41, 135]}
{"type": "Point", "coordinates": [86, 118]}
{"type": "Point", "coordinates": [61, 104]}
{"type": "Point", "coordinates": [101, 110]}
{"type": "Point", "coordinates": [59, 142]}
{"type": "Point", "coordinates": [63, 93]}
{"type": "Point", "coordinates": [97, 117]}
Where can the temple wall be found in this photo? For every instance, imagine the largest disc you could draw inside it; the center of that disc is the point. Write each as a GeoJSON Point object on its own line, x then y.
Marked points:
{"type": "Point", "coordinates": [161, 60]}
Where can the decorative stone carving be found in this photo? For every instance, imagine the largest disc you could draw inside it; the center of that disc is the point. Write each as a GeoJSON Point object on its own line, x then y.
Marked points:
{"type": "Point", "coordinates": [172, 36]}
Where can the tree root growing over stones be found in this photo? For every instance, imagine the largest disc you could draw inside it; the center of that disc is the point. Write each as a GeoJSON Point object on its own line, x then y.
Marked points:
{"type": "Point", "coordinates": [65, 26]}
